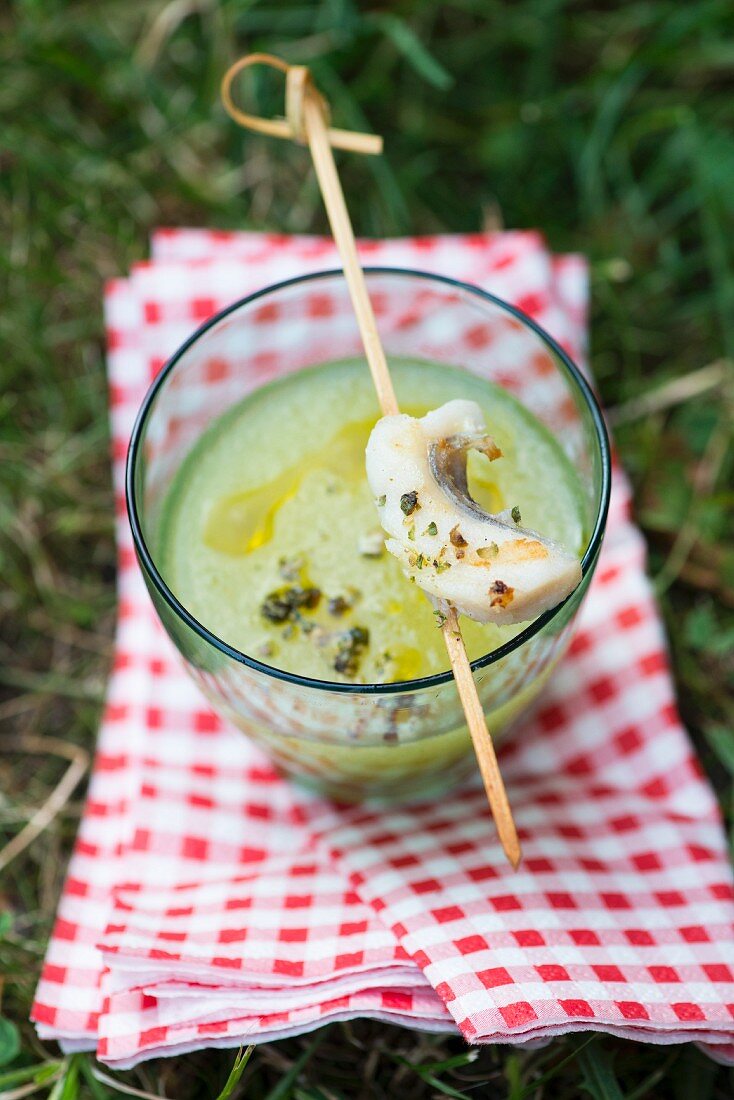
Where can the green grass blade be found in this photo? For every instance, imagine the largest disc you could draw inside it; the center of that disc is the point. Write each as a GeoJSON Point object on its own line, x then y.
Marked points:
{"type": "Point", "coordinates": [38, 1073]}
{"type": "Point", "coordinates": [599, 1079]}
{"type": "Point", "coordinates": [443, 1088]}
{"type": "Point", "coordinates": [238, 1068]}
{"type": "Point", "coordinates": [97, 1089]}
{"type": "Point", "coordinates": [282, 1089]}
{"type": "Point", "coordinates": [67, 1086]}
{"type": "Point", "coordinates": [721, 740]}
{"type": "Point", "coordinates": [413, 50]}
{"type": "Point", "coordinates": [9, 1041]}
{"type": "Point", "coordinates": [531, 1089]}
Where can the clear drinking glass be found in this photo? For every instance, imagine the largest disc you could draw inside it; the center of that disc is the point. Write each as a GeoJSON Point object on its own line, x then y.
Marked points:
{"type": "Point", "coordinates": [405, 739]}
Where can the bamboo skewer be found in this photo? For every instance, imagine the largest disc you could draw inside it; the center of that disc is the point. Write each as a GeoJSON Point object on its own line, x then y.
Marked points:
{"type": "Point", "coordinates": [341, 227]}
{"type": "Point", "coordinates": [481, 739]}
{"type": "Point", "coordinates": [307, 122]}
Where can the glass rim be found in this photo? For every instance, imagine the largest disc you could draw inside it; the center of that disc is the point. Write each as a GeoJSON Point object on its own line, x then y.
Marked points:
{"type": "Point", "coordinates": [397, 686]}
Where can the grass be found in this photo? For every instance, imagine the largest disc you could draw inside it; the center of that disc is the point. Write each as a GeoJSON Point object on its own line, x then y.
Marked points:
{"type": "Point", "coordinates": [609, 125]}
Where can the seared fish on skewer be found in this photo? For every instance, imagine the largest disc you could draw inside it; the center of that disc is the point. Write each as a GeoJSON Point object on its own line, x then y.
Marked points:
{"type": "Point", "coordinates": [487, 566]}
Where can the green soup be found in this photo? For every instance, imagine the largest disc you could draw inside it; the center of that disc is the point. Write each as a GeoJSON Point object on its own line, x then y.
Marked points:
{"type": "Point", "coordinates": [270, 535]}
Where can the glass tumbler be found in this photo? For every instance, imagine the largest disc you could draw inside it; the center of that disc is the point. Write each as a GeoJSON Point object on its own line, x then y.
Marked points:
{"type": "Point", "coordinates": [402, 740]}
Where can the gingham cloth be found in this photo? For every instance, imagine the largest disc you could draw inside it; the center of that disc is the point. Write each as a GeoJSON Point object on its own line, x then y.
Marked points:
{"type": "Point", "coordinates": [209, 902]}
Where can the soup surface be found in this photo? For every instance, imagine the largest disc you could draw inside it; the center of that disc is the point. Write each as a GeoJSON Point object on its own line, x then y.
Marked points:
{"type": "Point", "coordinates": [270, 535]}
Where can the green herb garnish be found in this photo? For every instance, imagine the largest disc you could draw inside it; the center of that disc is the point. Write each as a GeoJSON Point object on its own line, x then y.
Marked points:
{"type": "Point", "coordinates": [515, 513]}
{"type": "Point", "coordinates": [284, 604]}
{"type": "Point", "coordinates": [409, 503]}
{"type": "Point", "coordinates": [431, 529]}
{"type": "Point", "coordinates": [349, 650]}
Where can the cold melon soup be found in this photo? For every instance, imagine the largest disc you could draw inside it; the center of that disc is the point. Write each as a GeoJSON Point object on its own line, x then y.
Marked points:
{"type": "Point", "coordinates": [270, 537]}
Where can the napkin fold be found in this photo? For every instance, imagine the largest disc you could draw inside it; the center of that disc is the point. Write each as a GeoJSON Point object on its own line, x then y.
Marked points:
{"type": "Point", "coordinates": [210, 902]}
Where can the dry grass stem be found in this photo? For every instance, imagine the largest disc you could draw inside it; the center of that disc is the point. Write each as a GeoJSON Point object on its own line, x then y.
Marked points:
{"type": "Point", "coordinates": [58, 797]}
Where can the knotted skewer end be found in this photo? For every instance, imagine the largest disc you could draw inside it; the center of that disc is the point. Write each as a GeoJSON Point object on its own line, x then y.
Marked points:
{"type": "Point", "coordinates": [299, 86]}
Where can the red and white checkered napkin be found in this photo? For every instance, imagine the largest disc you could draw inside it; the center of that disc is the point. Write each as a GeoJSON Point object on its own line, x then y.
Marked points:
{"type": "Point", "coordinates": [209, 902]}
